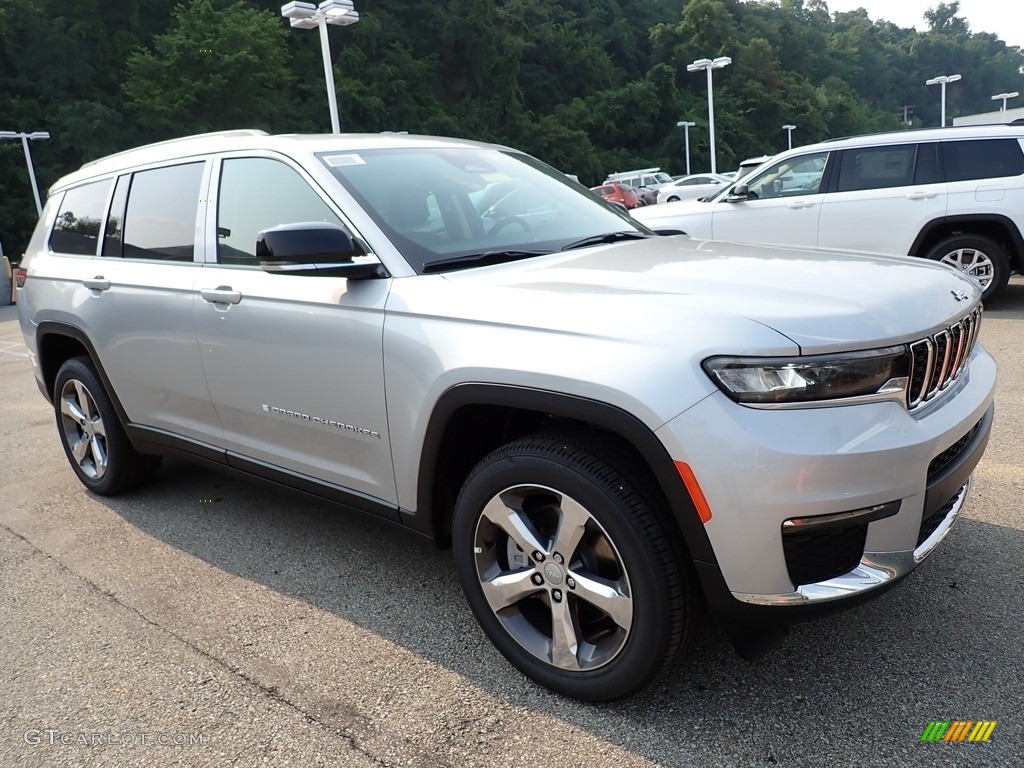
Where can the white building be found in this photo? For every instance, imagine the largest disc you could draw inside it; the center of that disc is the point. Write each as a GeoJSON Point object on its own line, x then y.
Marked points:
{"type": "Point", "coordinates": [991, 118]}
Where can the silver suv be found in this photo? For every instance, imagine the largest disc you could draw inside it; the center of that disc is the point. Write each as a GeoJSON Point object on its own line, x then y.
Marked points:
{"type": "Point", "coordinates": [613, 429]}
{"type": "Point", "coordinates": [954, 195]}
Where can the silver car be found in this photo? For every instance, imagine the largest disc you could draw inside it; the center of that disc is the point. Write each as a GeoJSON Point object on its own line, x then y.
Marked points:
{"type": "Point", "coordinates": [613, 429]}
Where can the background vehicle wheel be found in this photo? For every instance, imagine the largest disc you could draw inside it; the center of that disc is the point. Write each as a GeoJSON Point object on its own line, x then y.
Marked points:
{"type": "Point", "coordinates": [978, 256]}
{"type": "Point", "coordinates": [568, 570]}
{"type": "Point", "coordinates": [92, 435]}
{"type": "Point", "coordinates": [672, 199]}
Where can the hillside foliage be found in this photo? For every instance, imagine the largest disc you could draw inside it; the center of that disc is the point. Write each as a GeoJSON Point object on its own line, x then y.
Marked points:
{"type": "Point", "coordinates": [590, 86]}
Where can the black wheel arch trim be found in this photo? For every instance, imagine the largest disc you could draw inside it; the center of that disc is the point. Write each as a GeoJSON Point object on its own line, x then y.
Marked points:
{"type": "Point", "coordinates": [600, 414]}
{"type": "Point", "coordinates": [970, 218]}
{"type": "Point", "coordinates": [56, 328]}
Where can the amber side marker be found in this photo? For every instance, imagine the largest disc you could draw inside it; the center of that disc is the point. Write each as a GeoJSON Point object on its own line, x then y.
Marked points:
{"type": "Point", "coordinates": [693, 487]}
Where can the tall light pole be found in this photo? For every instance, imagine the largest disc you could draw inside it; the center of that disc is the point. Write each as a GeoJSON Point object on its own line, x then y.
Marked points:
{"type": "Point", "coordinates": [1004, 97]}
{"type": "Point", "coordinates": [35, 136]}
{"type": "Point", "coordinates": [340, 13]}
{"type": "Point", "coordinates": [686, 140]}
{"type": "Point", "coordinates": [789, 133]}
{"type": "Point", "coordinates": [942, 80]}
{"type": "Point", "coordinates": [708, 65]}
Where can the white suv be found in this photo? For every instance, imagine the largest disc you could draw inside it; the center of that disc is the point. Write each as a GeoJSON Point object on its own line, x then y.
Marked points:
{"type": "Point", "coordinates": [954, 195]}
{"type": "Point", "coordinates": [611, 428]}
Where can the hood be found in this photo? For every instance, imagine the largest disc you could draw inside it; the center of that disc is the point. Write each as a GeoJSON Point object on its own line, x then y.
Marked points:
{"type": "Point", "coordinates": [822, 300]}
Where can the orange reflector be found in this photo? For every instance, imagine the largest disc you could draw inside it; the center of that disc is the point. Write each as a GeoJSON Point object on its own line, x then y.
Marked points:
{"type": "Point", "coordinates": [690, 481]}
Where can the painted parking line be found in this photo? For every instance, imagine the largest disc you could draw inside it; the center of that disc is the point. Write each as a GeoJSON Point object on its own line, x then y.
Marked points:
{"type": "Point", "coordinates": [13, 348]}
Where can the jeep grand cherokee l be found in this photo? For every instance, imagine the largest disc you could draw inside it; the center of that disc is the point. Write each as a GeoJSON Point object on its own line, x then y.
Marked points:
{"type": "Point", "coordinates": [611, 428]}
{"type": "Point", "coordinates": [954, 195]}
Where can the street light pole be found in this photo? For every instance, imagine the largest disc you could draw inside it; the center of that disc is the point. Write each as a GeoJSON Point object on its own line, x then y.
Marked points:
{"type": "Point", "coordinates": [25, 137]}
{"type": "Point", "coordinates": [339, 13]}
{"type": "Point", "coordinates": [686, 140]}
{"type": "Point", "coordinates": [789, 133]}
{"type": "Point", "coordinates": [1004, 97]}
{"type": "Point", "coordinates": [942, 80]}
{"type": "Point", "coordinates": [708, 65]}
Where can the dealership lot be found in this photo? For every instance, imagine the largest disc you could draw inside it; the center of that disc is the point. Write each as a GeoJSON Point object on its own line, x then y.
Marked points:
{"type": "Point", "coordinates": [210, 621]}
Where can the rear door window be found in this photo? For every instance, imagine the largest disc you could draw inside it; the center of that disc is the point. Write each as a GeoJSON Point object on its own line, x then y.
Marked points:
{"type": "Point", "coordinates": [967, 160]}
{"type": "Point", "coordinates": [877, 167]}
{"type": "Point", "coordinates": [160, 221]}
{"type": "Point", "coordinates": [77, 227]}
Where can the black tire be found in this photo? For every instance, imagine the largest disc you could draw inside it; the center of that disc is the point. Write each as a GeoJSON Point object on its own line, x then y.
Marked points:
{"type": "Point", "coordinates": [92, 435]}
{"type": "Point", "coordinates": [531, 485]}
{"type": "Point", "coordinates": [672, 199]}
{"type": "Point", "coordinates": [978, 256]}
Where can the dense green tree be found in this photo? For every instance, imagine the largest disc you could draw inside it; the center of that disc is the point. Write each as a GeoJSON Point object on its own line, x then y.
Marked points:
{"type": "Point", "coordinates": [215, 68]}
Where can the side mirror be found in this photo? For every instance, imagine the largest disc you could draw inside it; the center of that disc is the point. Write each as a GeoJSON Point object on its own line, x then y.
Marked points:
{"type": "Point", "coordinates": [311, 248]}
{"type": "Point", "coordinates": [737, 193]}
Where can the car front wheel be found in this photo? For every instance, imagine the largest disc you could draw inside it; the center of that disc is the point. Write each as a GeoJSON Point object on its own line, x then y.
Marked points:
{"type": "Point", "coordinates": [568, 570]}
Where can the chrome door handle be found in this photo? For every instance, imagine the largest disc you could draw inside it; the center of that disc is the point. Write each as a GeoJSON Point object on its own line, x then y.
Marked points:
{"type": "Point", "coordinates": [800, 204]}
{"type": "Point", "coordinates": [921, 195]}
{"type": "Point", "coordinates": [98, 283]}
{"type": "Point", "coordinates": [222, 294]}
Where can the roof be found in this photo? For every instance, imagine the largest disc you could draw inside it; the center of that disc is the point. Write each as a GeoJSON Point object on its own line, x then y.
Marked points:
{"type": "Point", "coordinates": [243, 139]}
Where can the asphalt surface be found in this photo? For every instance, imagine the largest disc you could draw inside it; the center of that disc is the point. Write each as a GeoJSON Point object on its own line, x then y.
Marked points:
{"type": "Point", "coordinates": [212, 621]}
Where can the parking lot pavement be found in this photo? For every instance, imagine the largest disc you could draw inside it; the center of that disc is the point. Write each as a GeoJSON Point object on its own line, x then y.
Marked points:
{"type": "Point", "coordinates": [230, 623]}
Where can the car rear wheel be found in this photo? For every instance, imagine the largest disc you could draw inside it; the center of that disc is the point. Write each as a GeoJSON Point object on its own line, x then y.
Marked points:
{"type": "Point", "coordinates": [568, 570]}
{"type": "Point", "coordinates": [672, 199]}
{"type": "Point", "coordinates": [90, 431]}
{"type": "Point", "coordinates": [980, 257]}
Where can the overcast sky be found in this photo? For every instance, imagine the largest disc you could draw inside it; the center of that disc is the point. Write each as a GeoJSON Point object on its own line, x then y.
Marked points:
{"type": "Point", "coordinates": [1004, 18]}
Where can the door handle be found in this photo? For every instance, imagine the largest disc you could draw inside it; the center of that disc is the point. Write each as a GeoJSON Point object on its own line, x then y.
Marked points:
{"type": "Point", "coordinates": [800, 204]}
{"type": "Point", "coordinates": [98, 283]}
{"type": "Point", "coordinates": [921, 195]}
{"type": "Point", "coordinates": [222, 294]}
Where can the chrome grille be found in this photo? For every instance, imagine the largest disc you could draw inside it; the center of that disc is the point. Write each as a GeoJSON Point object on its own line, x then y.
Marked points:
{"type": "Point", "coordinates": [937, 361]}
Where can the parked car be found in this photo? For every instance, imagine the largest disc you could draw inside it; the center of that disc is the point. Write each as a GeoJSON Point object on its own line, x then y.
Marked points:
{"type": "Point", "coordinates": [619, 193]}
{"type": "Point", "coordinates": [954, 195]}
{"type": "Point", "coordinates": [691, 187]}
{"type": "Point", "coordinates": [646, 182]}
{"type": "Point", "coordinates": [612, 429]}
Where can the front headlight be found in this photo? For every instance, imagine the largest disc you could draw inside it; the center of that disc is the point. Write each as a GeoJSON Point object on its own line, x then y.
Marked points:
{"type": "Point", "coordinates": [813, 380]}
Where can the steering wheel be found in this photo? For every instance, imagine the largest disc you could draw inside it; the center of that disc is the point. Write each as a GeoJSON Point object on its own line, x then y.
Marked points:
{"type": "Point", "coordinates": [504, 222]}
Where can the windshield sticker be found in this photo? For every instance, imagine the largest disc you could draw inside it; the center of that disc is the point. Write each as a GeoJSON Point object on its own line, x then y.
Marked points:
{"type": "Point", "coordinates": [337, 161]}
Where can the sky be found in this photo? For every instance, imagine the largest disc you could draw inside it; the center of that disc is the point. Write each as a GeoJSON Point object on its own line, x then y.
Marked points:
{"type": "Point", "coordinates": [1004, 18]}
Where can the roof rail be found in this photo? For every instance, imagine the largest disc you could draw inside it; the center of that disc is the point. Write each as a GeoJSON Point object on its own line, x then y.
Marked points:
{"type": "Point", "coordinates": [630, 173]}
{"type": "Point", "coordinates": [223, 134]}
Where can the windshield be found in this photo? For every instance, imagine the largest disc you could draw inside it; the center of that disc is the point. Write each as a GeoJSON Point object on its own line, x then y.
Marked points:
{"type": "Point", "coordinates": [438, 204]}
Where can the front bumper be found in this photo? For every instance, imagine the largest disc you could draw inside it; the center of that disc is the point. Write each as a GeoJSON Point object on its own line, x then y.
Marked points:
{"type": "Point", "coordinates": [761, 470]}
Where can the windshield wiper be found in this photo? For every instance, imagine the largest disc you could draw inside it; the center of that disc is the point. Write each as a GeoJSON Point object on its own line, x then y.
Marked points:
{"type": "Point", "coordinates": [608, 237]}
{"type": "Point", "coordinates": [479, 260]}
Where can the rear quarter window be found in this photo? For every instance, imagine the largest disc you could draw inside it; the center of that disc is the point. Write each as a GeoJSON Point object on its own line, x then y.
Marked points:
{"type": "Point", "coordinates": [982, 159]}
{"type": "Point", "coordinates": [76, 229]}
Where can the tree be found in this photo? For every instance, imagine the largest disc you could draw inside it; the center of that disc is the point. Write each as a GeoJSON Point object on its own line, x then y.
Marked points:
{"type": "Point", "coordinates": [214, 69]}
